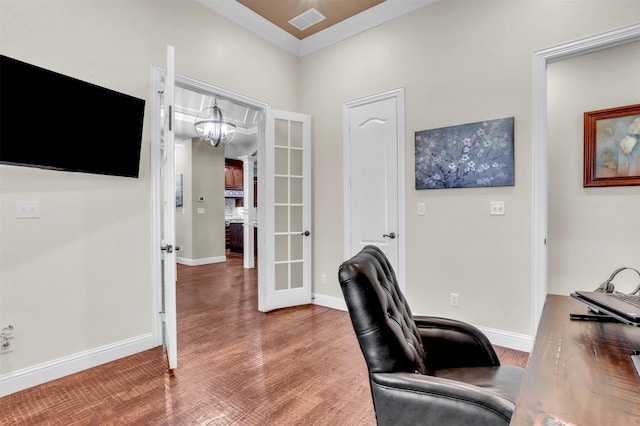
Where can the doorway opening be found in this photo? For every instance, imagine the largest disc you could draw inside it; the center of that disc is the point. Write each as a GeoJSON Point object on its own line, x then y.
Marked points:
{"type": "Point", "coordinates": [163, 134]}
{"type": "Point", "coordinates": [216, 208]}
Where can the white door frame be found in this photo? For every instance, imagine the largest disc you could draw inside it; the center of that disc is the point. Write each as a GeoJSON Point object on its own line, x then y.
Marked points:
{"type": "Point", "coordinates": [198, 86]}
{"type": "Point", "coordinates": [398, 94]}
{"type": "Point", "coordinates": [539, 157]}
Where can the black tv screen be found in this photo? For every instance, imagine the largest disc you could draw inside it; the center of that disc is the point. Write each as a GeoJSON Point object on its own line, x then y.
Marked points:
{"type": "Point", "coordinates": [52, 121]}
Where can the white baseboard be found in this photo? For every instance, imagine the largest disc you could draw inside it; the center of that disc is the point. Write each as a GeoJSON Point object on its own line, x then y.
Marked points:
{"type": "Point", "coordinates": [45, 372]}
{"type": "Point", "coordinates": [329, 301]}
{"type": "Point", "coordinates": [520, 342]}
{"type": "Point", "coordinates": [203, 261]}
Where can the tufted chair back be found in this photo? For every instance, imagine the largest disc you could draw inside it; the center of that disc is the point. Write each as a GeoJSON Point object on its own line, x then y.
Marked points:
{"type": "Point", "coordinates": [386, 331]}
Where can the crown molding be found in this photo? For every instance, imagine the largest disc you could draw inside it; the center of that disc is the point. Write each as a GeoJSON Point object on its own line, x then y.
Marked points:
{"type": "Point", "coordinates": [370, 18]}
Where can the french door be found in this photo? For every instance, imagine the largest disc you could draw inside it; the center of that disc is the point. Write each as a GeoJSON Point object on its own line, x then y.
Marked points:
{"type": "Point", "coordinates": [285, 262]}
{"type": "Point", "coordinates": [284, 206]}
{"type": "Point", "coordinates": [163, 211]}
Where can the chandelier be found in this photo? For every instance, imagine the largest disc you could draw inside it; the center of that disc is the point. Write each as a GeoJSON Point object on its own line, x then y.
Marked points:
{"type": "Point", "coordinates": [211, 126]}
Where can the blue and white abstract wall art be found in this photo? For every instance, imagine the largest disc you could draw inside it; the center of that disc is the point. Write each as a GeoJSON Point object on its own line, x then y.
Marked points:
{"type": "Point", "coordinates": [465, 156]}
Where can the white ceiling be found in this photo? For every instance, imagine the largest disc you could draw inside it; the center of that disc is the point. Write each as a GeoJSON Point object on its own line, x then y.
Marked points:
{"type": "Point", "coordinates": [188, 105]}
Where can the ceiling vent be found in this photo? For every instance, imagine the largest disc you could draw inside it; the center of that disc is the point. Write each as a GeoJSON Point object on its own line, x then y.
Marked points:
{"type": "Point", "coordinates": [307, 19]}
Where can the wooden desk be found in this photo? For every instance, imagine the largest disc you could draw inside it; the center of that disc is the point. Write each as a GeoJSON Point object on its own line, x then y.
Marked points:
{"type": "Point", "coordinates": [580, 371]}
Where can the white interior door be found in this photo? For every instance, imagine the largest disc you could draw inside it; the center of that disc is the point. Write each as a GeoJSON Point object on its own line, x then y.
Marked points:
{"type": "Point", "coordinates": [167, 216]}
{"type": "Point", "coordinates": [374, 138]}
{"type": "Point", "coordinates": [285, 207]}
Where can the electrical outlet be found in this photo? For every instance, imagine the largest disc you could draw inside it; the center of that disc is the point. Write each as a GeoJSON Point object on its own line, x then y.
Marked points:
{"type": "Point", "coordinates": [26, 209]}
{"type": "Point", "coordinates": [323, 279]}
{"type": "Point", "coordinates": [453, 299]}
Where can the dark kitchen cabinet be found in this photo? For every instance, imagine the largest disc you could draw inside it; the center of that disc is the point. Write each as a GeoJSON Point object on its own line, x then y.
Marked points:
{"type": "Point", "coordinates": [233, 174]}
{"type": "Point", "coordinates": [236, 237]}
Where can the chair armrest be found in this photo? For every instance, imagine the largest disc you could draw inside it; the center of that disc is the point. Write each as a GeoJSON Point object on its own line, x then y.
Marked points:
{"type": "Point", "coordinates": [411, 399]}
{"type": "Point", "coordinates": [450, 343]}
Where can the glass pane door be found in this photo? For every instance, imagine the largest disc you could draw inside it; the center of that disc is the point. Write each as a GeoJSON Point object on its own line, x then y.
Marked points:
{"type": "Point", "coordinates": [288, 168]}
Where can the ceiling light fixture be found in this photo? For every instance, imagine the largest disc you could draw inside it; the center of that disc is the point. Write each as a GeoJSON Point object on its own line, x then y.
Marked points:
{"type": "Point", "coordinates": [211, 126]}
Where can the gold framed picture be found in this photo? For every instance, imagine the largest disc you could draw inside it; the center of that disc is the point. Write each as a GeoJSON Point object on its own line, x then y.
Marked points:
{"type": "Point", "coordinates": [612, 146]}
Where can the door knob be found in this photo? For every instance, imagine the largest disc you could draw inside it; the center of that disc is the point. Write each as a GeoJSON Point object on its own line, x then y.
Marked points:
{"type": "Point", "coordinates": [305, 233]}
{"type": "Point", "coordinates": [391, 235]}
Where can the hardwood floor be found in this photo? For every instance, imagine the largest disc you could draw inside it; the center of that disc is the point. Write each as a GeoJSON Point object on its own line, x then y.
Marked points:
{"type": "Point", "coordinates": [237, 366]}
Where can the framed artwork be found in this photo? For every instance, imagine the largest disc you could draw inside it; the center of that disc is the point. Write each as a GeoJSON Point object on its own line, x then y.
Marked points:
{"type": "Point", "coordinates": [179, 190]}
{"type": "Point", "coordinates": [611, 146]}
{"type": "Point", "coordinates": [465, 156]}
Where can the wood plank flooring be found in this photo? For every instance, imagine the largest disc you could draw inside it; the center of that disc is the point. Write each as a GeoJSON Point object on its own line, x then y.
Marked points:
{"type": "Point", "coordinates": [236, 366]}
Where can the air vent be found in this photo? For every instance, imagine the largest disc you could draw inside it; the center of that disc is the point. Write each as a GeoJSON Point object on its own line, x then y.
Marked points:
{"type": "Point", "coordinates": [307, 19]}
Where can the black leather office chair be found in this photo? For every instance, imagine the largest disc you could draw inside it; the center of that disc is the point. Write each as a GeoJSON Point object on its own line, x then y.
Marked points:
{"type": "Point", "coordinates": [422, 370]}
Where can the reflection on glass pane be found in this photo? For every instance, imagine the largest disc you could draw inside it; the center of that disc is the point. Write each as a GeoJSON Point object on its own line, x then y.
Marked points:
{"type": "Point", "coordinates": [296, 162]}
{"type": "Point", "coordinates": [296, 190]}
{"type": "Point", "coordinates": [282, 276]}
{"type": "Point", "coordinates": [282, 193]}
{"type": "Point", "coordinates": [296, 219]}
{"type": "Point", "coordinates": [296, 134]}
{"type": "Point", "coordinates": [296, 247]}
{"type": "Point", "coordinates": [281, 166]}
{"type": "Point", "coordinates": [281, 132]}
{"type": "Point", "coordinates": [282, 248]}
{"type": "Point", "coordinates": [296, 275]}
{"type": "Point", "coordinates": [282, 220]}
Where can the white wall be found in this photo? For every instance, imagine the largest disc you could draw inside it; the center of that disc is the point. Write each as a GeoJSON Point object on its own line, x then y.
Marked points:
{"type": "Point", "coordinates": [592, 231]}
{"type": "Point", "coordinates": [201, 236]}
{"type": "Point", "coordinates": [78, 280]}
{"type": "Point", "coordinates": [208, 228]}
{"type": "Point", "coordinates": [184, 221]}
{"type": "Point", "coordinates": [459, 62]}
{"type": "Point", "coordinates": [79, 277]}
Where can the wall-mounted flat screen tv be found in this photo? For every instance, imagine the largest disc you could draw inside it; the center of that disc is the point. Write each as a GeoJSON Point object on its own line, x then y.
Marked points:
{"type": "Point", "coordinates": [52, 121]}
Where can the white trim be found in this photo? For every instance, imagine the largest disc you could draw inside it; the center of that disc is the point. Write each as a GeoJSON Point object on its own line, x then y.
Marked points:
{"type": "Point", "coordinates": [539, 201]}
{"type": "Point", "coordinates": [507, 339]}
{"type": "Point", "coordinates": [262, 216]}
{"type": "Point", "coordinates": [398, 94]}
{"type": "Point", "coordinates": [503, 338]}
{"type": "Point", "coordinates": [38, 374]}
{"type": "Point", "coordinates": [156, 277]}
{"type": "Point", "coordinates": [247, 18]}
{"type": "Point", "coordinates": [370, 18]}
{"type": "Point", "coordinates": [329, 301]}
{"type": "Point", "coordinates": [377, 15]}
{"type": "Point", "coordinates": [202, 261]}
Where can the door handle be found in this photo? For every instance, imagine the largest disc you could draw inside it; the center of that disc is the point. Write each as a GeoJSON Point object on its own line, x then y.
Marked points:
{"type": "Point", "coordinates": [391, 235]}
{"type": "Point", "coordinates": [306, 233]}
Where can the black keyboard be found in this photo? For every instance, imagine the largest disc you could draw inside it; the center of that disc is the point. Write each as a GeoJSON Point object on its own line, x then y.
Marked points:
{"type": "Point", "coordinates": [631, 299]}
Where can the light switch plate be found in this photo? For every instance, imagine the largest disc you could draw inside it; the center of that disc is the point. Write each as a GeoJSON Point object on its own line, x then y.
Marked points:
{"type": "Point", "coordinates": [497, 208]}
{"type": "Point", "coordinates": [27, 209]}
